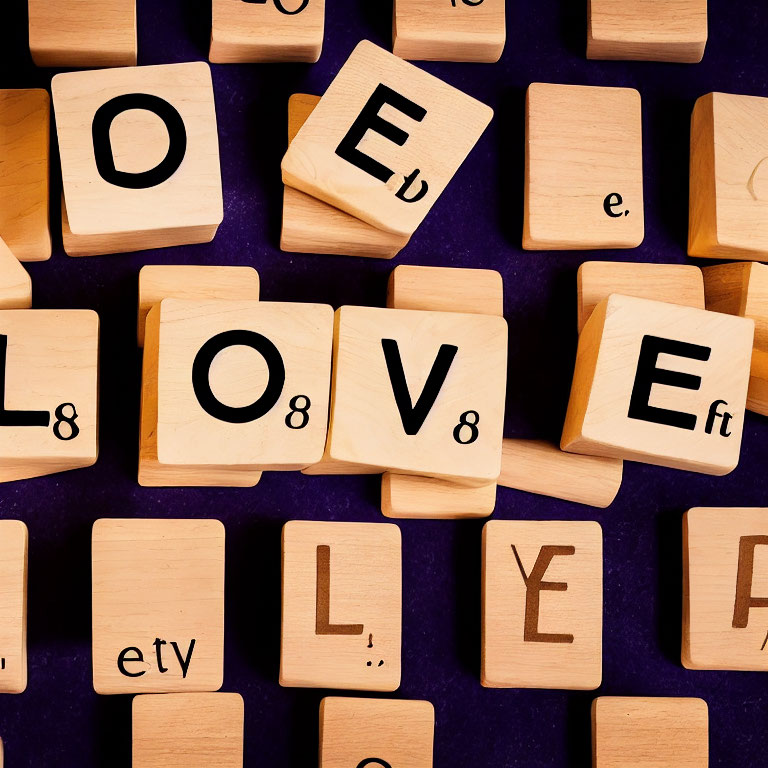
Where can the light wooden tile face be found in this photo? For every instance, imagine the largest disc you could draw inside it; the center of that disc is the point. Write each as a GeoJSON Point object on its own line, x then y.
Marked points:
{"type": "Point", "coordinates": [376, 732]}
{"type": "Point", "coordinates": [390, 183]}
{"type": "Point", "coordinates": [271, 30]}
{"type": "Point", "coordinates": [542, 604]}
{"type": "Point", "coordinates": [583, 169]}
{"type": "Point", "coordinates": [661, 384]}
{"type": "Point", "coordinates": [725, 618]}
{"type": "Point", "coordinates": [13, 607]}
{"type": "Point", "coordinates": [188, 730]}
{"type": "Point", "coordinates": [413, 496]}
{"type": "Point", "coordinates": [158, 604]}
{"type": "Point", "coordinates": [451, 30]}
{"type": "Point", "coordinates": [648, 30]}
{"type": "Point", "coordinates": [342, 606]}
{"type": "Point", "coordinates": [729, 178]}
{"type": "Point", "coordinates": [462, 357]}
{"type": "Point", "coordinates": [51, 373]}
{"type": "Point", "coordinates": [649, 733]}
{"type": "Point", "coordinates": [112, 206]}
{"type": "Point", "coordinates": [25, 158]}
{"type": "Point", "coordinates": [15, 283]}
{"type": "Point", "coordinates": [82, 33]}
{"type": "Point", "coordinates": [673, 283]}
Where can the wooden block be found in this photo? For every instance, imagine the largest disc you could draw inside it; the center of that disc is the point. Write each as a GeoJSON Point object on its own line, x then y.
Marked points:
{"type": "Point", "coordinates": [312, 226]}
{"type": "Point", "coordinates": [542, 590]}
{"type": "Point", "coordinates": [346, 154]}
{"type": "Point", "coordinates": [25, 159]}
{"type": "Point", "coordinates": [13, 608]}
{"type": "Point", "coordinates": [419, 392]}
{"type": "Point", "coordinates": [661, 384]}
{"type": "Point", "coordinates": [456, 30]}
{"type": "Point", "coordinates": [188, 730]}
{"type": "Point", "coordinates": [152, 178]}
{"type": "Point", "coordinates": [183, 281]}
{"type": "Point", "coordinates": [48, 391]}
{"type": "Point", "coordinates": [672, 283]}
{"type": "Point", "coordinates": [649, 732]}
{"type": "Point", "coordinates": [267, 30]}
{"type": "Point", "coordinates": [82, 33]}
{"type": "Point", "coordinates": [540, 467]}
{"type": "Point", "coordinates": [342, 606]}
{"type": "Point", "coordinates": [647, 30]}
{"type": "Point", "coordinates": [412, 496]}
{"type": "Point", "coordinates": [158, 606]}
{"type": "Point", "coordinates": [729, 178]}
{"type": "Point", "coordinates": [15, 283]}
{"type": "Point", "coordinates": [757, 396]}
{"type": "Point", "coordinates": [583, 168]}
{"type": "Point", "coordinates": [376, 732]}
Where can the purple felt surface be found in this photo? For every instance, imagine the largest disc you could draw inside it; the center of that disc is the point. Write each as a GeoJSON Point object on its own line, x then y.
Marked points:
{"type": "Point", "coordinates": [60, 721]}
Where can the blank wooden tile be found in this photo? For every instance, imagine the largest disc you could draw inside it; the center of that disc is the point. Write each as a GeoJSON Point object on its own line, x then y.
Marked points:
{"type": "Point", "coordinates": [269, 30]}
{"type": "Point", "coordinates": [661, 384]}
{"type": "Point", "coordinates": [13, 607]}
{"type": "Point", "coordinates": [15, 283]}
{"type": "Point", "coordinates": [459, 30]}
{"type": "Point", "coordinates": [455, 431]}
{"type": "Point", "coordinates": [649, 732]}
{"type": "Point", "coordinates": [757, 397]}
{"type": "Point", "coordinates": [25, 158]}
{"type": "Point", "coordinates": [540, 467]}
{"type": "Point", "coordinates": [185, 281]}
{"type": "Point", "coordinates": [729, 178]}
{"type": "Point", "coordinates": [583, 168]}
{"type": "Point", "coordinates": [188, 730]}
{"type": "Point", "coordinates": [673, 283]}
{"type": "Point", "coordinates": [342, 606]}
{"type": "Point", "coordinates": [725, 589]}
{"type": "Point", "coordinates": [648, 30]}
{"type": "Point", "coordinates": [542, 623]}
{"type": "Point", "coordinates": [413, 496]}
{"type": "Point", "coordinates": [82, 33]}
{"type": "Point", "coordinates": [390, 184]}
{"type": "Point", "coordinates": [158, 605]}
{"type": "Point", "coordinates": [138, 189]}
{"type": "Point", "coordinates": [312, 226]}
{"type": "Point", "coordinates": [50, 359]}
{"type": "Point", "coordinates": [376, 732]}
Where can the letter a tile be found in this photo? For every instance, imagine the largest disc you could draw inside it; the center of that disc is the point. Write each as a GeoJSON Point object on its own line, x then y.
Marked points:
{"type": "Point", "coordinates": [542, 604]}
{"type": "Point", "coordinates": [13, 608]}
{"type": "Point", "coordinates": [342, 606]}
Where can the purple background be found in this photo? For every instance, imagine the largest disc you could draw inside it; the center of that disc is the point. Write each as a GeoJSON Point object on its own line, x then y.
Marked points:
{"type": "Point", "coordinates": [477, 222]}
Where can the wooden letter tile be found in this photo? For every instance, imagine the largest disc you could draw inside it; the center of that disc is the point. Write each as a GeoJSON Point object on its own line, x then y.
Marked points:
{"type": "Point", "coordinates": [647, 30]}
{"type": "Point", "coordinates": [430, 497]}
{"type": "Point", "coordinates": [649, 733]}
{"type": "Point", "coordinates": [542, 604]}
{"type": "Point", "coordinates": [82, 33]}
{"type": "Point", "coordinates": [384, 141]}
{"type": "Point", "coordinates": [661, 384]}
{"type": "Point", "coordinates": [188, 730]}
{"type": "Point", "coordinates": [268, 30]}
{"type": "Point", "coordinates": [376, 732]}
{"type": "Point", "coordinates": [583, 168]}
{"type": "Point", "coordinates": [158, 606]}
{"type": "Point", "coordinates": [342, 606]}
{"type": "Point", "coordinates": [420, 392]}
{"type": "Point", "coordinates": [139, 158]}
{"type": "Point", "coordinates": [25, 117]}
{"type": "Point", "coordinates": [13, 608]}
{"type": "Point", "coordinates": [453, 30]}
{"type": "Point", "coordinates": [48, 391]}
{"type": "Point", "coordinates": [15, 283]}
{"type": "Point", "coordinates": [729, 178]}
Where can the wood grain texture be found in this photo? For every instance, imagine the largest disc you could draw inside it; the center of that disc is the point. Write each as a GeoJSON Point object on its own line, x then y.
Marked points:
{"type": "Point", "coordinates": [535, 633]}
{"type": "Point", "coordinates": [158, 579]}
{"type": "Point", "coordinates": [416, 497]}
{"type": "Point", "coordinates": [14, 539]}
{"type": "Point", "coordinates": [583, 144]}
{"type": "Point", "coordinates": [15, 282]}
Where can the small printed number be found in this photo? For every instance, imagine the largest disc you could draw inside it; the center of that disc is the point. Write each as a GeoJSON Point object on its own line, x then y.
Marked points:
{"type": "Point", "coordinates": [464, 421]}
{"type": "Point", "coordinates": [467, 2]}
{"type": "Point", "coordinates": [61, 418]}
{"type": "Point", "coordinates": [303, 410]}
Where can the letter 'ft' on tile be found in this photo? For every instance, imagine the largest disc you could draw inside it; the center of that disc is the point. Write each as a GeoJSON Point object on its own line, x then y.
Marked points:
{"type": "Point", "coordinates": [583, 168]}
{"type": "Point", "coordinates": [661, 384]}
{"type": "Point", "coordinates": [342, 606]}
{"type": "Point", "coordinates": [384, 141]}
{"type": "Point", "coordinates": [13, 608]}
{"type": "Point", "coordinates": [542, 623]}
